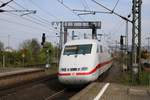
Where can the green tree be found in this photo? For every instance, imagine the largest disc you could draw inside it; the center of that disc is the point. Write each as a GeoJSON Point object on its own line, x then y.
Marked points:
{"type": "Point", "coordinates": [1, 52]}
{"type": "Point", "coordinates": [47, 50]}
{"type": "Point", "coordinates": [30, 49]}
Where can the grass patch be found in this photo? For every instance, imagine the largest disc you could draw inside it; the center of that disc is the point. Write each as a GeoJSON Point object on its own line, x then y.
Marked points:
{"type": "Point", "coordinates": [144, 78]}
{"type": "Point", "coordinates": [126, 79]}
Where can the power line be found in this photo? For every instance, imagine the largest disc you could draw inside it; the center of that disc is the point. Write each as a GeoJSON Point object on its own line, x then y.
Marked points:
{"type": "Point", "coordinates": [83, 4]}
{"type": "Point", "coordinates": [46, 12]}
{"type": "Point", "coordinates": [32, 21]}
{"type": "Point", "coordinates": [30, 11]}
{"type": "Point", "coordinates": [87, 4]}
{"type": "Point", "coordinates": [91, 12]}
{"type": "Point", "coordinates": [115, 5]}
{"type": "Point", "coordinates": [12, 22]}
{"type": "Point", "coordinates": [32, 16]}
{"type": "Point", "coordinates": [45, 21]}
{"type": "Point", "coordinates": [61, 2]}
{"type": "Point", "coordinates": [111, 11]}
{"type": "Point", "coordinates": [25, 18]}
{"type": "Point", "coordinates": [4, 4]}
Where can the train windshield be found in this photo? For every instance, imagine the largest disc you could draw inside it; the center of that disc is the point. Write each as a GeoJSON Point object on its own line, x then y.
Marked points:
{"type": "Point", "coordinates": [77, 49]}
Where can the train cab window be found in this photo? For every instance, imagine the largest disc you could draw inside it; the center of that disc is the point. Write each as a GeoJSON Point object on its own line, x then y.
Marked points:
{"type": "Point", "coordinates": [77, 49]}
{"type": "Point", "coordinates": [101, 49]}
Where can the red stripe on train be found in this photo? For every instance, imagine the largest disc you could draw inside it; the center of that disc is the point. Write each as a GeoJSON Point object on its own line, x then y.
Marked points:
{"type": "Point", "coordinates": [87, 73]}
{"type": "Point", "coordinates": [64, 74]}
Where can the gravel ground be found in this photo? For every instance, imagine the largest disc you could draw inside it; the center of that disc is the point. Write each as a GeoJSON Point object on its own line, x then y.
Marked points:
{"type": "Point", "coordinates": [114, 74]}
{"type": "Point", "coordinates": [41, 90]}
{"type": "Point", "coordinates": [33, 91]}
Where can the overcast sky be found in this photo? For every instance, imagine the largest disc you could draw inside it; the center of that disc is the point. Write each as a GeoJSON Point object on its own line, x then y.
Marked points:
{"type": "Point", "coordinates": [33, 25]}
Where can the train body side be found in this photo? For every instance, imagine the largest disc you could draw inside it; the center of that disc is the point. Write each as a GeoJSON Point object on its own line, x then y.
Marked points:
{"type": "Point", "coordinates": [84, 67]}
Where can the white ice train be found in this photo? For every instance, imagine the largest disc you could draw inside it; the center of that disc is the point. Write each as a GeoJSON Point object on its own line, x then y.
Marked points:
{"type": "Point", "coordinates": [83, 61]}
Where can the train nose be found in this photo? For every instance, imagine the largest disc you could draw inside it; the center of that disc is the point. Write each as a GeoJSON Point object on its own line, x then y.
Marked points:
{"type": "Point", "coordinates": [72, 79]}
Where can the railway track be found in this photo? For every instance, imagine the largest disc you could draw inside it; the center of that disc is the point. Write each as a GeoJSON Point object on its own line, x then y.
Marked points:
{"type": "Point", "coordinates": [55, 94]}
{"type": "Point", "coordinates": [47, 88]}
{"type": "Point", "coordinates": [13, 90]}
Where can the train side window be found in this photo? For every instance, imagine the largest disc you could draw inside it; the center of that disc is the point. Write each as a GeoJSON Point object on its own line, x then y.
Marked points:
{"type": "Point", "coordinates": [101, 49]}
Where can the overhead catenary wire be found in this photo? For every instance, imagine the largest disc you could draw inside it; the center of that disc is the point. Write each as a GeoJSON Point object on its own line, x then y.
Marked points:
{"type": "Point", "coordinates": [45, 11]}
{"type": "Point", "coordinates": [44, 20]}
{"type": "Point", "coordinates": [85, 12]}
{"type": "Point", "coordinates": [37, 23]}
{"type": "Point", "coordinates": [92, 11]}
{"type": "Point", "coordinates": [111, 11]}
{"type": "Point", "coordinates": [13, 22]}
{"type": "Point", "coordinates": [61, 2]}
{"type": "Point", "coordinates": [115, 5]}
{"type": "Point", "coordinates": [87, 5]}
{"type": "Point", "coordinates": [30, 21]}
{"type": "Point", "coordinates": [25, 18]}
{"type": "Point", "coordinates": [4, 4]}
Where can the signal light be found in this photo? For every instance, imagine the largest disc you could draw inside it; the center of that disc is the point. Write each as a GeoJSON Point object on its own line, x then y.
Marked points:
{"type": "Point", "coordinates": [43, 39]}
{"type": "Point", "coordinates": [121, 40]}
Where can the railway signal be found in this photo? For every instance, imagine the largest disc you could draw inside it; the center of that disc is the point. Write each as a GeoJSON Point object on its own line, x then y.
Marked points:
{"type": "Point", "coordinates": [121, 40]}
{"type": "Point", "coordinates": [43, 39]}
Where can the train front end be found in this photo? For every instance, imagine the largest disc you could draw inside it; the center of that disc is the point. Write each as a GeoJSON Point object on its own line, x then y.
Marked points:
{"type": "Point", "coordinates": [76, 64]}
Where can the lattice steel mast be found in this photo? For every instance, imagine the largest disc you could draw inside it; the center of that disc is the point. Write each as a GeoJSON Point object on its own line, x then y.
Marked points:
{"type": "Point", "coordinates": [136, 38]}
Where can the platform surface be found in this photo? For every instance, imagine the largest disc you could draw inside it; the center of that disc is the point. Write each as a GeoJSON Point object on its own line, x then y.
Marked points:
{"type": "Point", "coordinates": [6, 72]}
{"type": "Point", "coordinates": [113, 92]}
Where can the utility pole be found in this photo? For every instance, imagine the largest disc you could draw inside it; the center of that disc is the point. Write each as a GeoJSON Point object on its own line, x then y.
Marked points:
{"type": "Point", "coordinates": [136, 39]}
{"type": "Point", "coordinates": [126, 45]}
{"type": "Point", "coordinates": [126, 39]}
{"type": "Point", "coordinates": [61, 35]}
{"type": "Point", "coordinates": [60, 25]}
{"type": "Point", "coordinates": [8, 40]}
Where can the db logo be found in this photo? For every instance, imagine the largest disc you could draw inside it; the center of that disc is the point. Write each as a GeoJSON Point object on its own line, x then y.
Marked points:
{"type": "Point", "coordinates": [73, 74]}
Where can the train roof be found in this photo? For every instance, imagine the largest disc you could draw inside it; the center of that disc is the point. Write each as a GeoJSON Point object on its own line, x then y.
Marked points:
{"type": "Point", "coordinates": [84, 41]}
